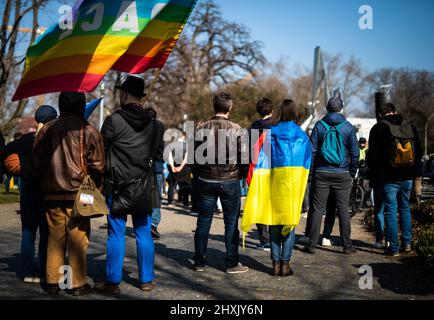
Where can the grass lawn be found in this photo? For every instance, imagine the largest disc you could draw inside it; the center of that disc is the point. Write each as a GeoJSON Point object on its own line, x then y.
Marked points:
{"type": "Point", "coordinates": [13, 196]}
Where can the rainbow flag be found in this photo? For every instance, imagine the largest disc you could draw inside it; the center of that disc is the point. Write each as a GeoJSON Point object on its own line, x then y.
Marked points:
{"type": "Point", "coordinates": [278, 178]}
{"type": "Point", "coordinates": [127, 36]}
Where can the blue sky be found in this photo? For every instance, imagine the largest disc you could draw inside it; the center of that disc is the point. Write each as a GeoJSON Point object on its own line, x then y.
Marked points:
{"type": "Point", "coordinates": [403, 34]}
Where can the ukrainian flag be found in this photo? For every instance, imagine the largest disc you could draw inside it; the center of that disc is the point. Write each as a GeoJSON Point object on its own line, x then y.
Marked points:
{"type": "Point", "coordinates": [278, 178]}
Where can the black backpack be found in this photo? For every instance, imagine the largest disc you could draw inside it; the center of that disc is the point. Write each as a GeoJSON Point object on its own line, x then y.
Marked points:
{"type": "Point", "coordinates": [138, 196]}
{"type": "Point", "coordinates": [401, 152]}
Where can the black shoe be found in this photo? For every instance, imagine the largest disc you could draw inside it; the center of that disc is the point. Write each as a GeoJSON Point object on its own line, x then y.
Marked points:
{"type": "Point", "coordinates": [50, 288]}
{"type": "Point", "coordinates": [85, 289]}
{"type": "Point", "coordinates": [308, 249]}
{"type": "Point", "coordinates": [154, 232]}
{"type": "Point", "coordinates": [349, 250]}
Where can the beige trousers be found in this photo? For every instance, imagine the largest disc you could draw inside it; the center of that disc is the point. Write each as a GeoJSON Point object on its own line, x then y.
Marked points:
{"type": "Point", "coordinates": [70, 236]}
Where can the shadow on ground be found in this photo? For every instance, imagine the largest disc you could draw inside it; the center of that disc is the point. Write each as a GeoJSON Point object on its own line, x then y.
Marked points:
{"type": "Point", "coordinates": [410, 277]}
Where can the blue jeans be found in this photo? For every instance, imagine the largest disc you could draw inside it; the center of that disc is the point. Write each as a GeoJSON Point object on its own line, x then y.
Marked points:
{"type": "Point", "coordinates": [33, 218]}
{"type": "Point", "coordinates": [379, 213]}
{"type": "Point", "coordinates": [7, 184]}
{"type": "Point", "coordinates": [396, 198]}
{"type": "Point", "coordinates": [116, 247]}
{"type": "Point", "coordinates": [229, 194]}
{"type": "Point", "coordinates": [281, 246]}
{"type": "Point", "coordinates": [17, 181]}
{"type": "Point", "coordinates": [244, 188]}
{"type": "Point", "coordinates": [156, 212]}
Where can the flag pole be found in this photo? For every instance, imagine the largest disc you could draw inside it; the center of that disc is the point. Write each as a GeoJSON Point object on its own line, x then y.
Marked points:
{"type": "Point", "coordinates": [154, 82]}
{"type": "Point", "coordinates": [101, 108]}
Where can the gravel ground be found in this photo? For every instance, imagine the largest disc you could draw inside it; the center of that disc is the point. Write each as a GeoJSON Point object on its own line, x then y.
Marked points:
{"type": "Point", "coordinates": [328, 274]}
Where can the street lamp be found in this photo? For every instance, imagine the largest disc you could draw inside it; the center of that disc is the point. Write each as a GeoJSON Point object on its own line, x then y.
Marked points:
{"type": "Point", "coordinates": [184, 124]}
{"type": "Point", "coordinates": [426, 133]}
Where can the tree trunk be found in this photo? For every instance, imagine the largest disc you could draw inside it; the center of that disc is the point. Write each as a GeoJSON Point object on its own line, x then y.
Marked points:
{"type": "Point", "coordinates": [22, 103]}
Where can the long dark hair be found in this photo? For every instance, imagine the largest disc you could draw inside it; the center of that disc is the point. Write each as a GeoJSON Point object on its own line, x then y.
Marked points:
{"type": "Point", "coordinates": [287, 111]}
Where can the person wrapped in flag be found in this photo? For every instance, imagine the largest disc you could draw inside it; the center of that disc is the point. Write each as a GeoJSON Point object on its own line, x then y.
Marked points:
{"type": "Point", "coordinates": [278, 178]}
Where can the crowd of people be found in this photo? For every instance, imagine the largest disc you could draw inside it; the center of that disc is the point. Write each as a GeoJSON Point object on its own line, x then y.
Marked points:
{"type": "Point", "coordinates": [56, 157]}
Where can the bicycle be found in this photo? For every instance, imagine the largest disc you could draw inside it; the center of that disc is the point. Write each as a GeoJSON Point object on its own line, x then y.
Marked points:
{"type": "Point", "coordinates": [358, 193]}
{"type": "Point", "coordinates": [357, 196]}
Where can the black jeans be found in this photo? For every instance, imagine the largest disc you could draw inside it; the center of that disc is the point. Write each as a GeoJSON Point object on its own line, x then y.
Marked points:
{"type": "Point", "coordinates": [229, 193]}
{"type": "Point", "coordinates": [33, 219]}
{"type": "Point", "coordinates": [330, 215]}
{"type": "Point", "coordinates": [171, 190]}
{"type": "Point", "coordinates": [184, 193]}
{"type": "Point", "coordinates": [339, 185]}
{"type": "Point", "coordinates": [194, 195]}
{"type": "Point", "coordinates": [264, 236]}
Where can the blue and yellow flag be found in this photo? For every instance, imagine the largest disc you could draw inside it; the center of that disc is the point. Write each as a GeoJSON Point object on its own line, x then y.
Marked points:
{"type": "Point", "coordinates": [278, 178]}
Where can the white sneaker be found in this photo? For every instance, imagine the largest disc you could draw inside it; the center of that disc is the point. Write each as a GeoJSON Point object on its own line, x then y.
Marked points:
{"type": "Point", "coordinates": [36, 280]}
{"type": "Point", "coordinates": [379, 245]}
{"type": "Point", "coordinates": [28, 279]}
{"type": "Point", "coordinates": [326, 242]}
{"type": "Point", "coordinates": [237, 269]}
{"type": "Point", "coordinates": [263, 247]}
{"type": "Point", "coordinates": [303, 240]}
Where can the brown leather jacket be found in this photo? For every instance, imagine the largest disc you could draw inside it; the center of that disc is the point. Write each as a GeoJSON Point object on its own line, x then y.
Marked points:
{"type": "Point", "coordinates": [57, 156]}
{"type": "Point", "coordinates": [224, 164]}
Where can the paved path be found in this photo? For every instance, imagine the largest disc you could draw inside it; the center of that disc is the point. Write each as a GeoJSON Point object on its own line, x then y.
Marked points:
{"type": "Point", "coordinates": [326, 275]}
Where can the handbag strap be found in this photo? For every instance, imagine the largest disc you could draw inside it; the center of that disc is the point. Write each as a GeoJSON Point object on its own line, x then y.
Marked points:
{"type": "Point", "coordinates": [82, 160]}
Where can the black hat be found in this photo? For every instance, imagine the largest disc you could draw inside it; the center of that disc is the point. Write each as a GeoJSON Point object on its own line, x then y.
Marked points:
{"type": "Point", "coordinates": [73, 102]}
{"type": "Point", "coordinates": [45, 114]}
{"type": "Point", "coordinates": [362, 141]}
{"type": "Point", "coordinates": [335, 104]}
{"type": "Point", "coordinates": [134, 86]}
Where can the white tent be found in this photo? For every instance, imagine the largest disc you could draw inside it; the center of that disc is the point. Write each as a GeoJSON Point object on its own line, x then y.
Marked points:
{"type": "Point", "coordinates": [364, 126]}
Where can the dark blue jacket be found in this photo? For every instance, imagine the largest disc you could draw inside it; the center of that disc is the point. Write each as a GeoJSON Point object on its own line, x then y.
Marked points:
{"type": "Point", "coordinates": [350, 140]}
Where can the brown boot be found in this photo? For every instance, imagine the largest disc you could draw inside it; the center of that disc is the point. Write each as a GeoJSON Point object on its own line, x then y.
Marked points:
{"type": "Point", "coordinates": [80, 291]}
{"type": "Point", "coordinates": [109, 288]}
{"type": "Point", "coordinates": [276, 268]}
{"type": "Point", "coordinates": [148, 286]}
{"type": "Point", "coordinates": [286, 269]}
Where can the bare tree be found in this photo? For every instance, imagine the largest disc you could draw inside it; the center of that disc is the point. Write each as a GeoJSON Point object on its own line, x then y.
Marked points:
{"type": "Point", "coordinates": [10, 63]}
{"type": "Point", "coordinates": [412, 92]}
{"type": "Point", "coordinates": [348, 76]}
{"type": "Point", "coordinates": [211, 52]}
